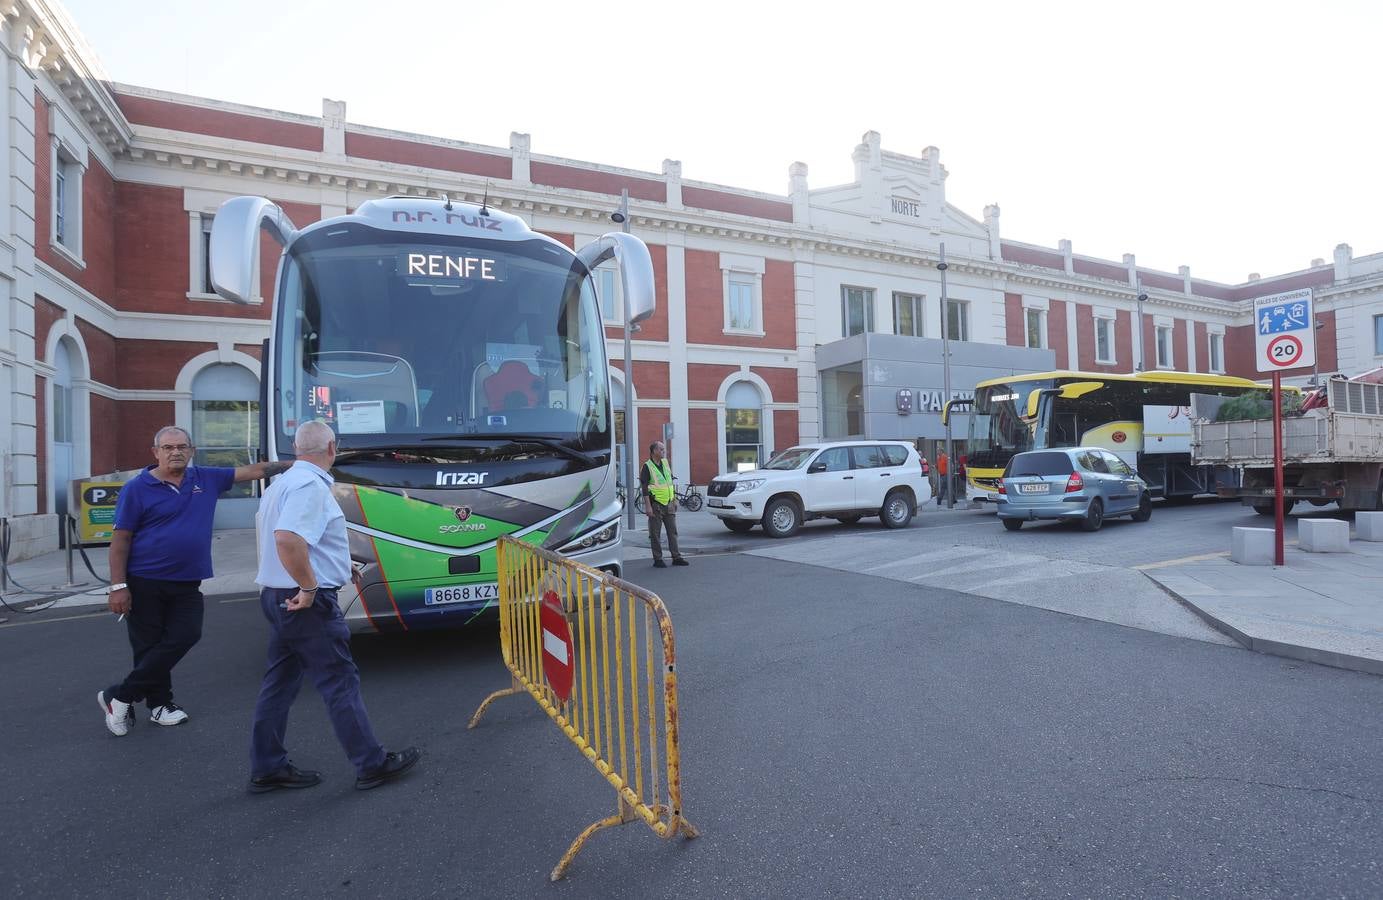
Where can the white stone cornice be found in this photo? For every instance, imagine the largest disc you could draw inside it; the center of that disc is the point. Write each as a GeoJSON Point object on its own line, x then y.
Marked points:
{"type": "Point", "coordinates": [282, 170]}
{"type": "Point", "coordinates": [56, 47]}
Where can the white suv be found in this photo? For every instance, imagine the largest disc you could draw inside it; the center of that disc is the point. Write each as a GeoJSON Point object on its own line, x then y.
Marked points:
{"type": "Point", "coordinates": [845, 480]}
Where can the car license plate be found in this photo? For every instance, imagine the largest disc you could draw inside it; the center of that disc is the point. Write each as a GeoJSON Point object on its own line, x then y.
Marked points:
{"type": "Point", "coordinates": [1032, 488]}
{"type": "Point", "coordinates": [461, 593]}
{"type": "Point", "coordinates": [718, 503]}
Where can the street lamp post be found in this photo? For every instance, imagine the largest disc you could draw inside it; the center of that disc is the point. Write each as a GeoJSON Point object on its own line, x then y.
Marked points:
{"type": "Point", "coordinates": [946, 479]}
{"type": "Point", "coordinates": [630, 425]}
{"type": "Point", "coordinates": [1142, 338]}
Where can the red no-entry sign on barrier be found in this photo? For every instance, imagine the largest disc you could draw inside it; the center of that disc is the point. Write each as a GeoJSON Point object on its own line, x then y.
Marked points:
{"type": "Point", "coordinates": [558, 655]}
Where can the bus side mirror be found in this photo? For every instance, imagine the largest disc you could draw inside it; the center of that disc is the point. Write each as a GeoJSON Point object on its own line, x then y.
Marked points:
{"type": "Point", "coordinates": [234, 256]}
{"type": "Point", "coordinates": [1033, 398]}
{"type": "Point", "coordinates": [1076, 389]}
{"type": "Point", "coordinates": [635, 269]}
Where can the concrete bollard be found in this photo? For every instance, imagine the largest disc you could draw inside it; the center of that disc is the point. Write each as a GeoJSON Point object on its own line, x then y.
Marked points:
{"type": "Point", "coordinates": [1251, 546]}
{"type": "Point", "coordinates": [1368, 526]}
{"type": "Point", "coordinates": [1323, 535]}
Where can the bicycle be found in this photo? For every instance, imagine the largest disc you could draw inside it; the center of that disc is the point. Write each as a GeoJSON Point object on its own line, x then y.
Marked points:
{"type": "Point", "coordinates": [687, 496]}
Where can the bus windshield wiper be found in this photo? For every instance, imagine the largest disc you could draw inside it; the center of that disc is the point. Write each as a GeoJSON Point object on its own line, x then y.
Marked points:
{"type": "Point", "coordinates": [540, 440]}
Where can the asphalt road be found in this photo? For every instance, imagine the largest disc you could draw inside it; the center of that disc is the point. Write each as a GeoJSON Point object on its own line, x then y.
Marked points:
{"type": "Point", "coordinates": [843, 735]}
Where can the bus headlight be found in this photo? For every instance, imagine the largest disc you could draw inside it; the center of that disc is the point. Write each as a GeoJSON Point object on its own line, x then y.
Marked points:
{"type": "Point", "coordinates": [592, 539]}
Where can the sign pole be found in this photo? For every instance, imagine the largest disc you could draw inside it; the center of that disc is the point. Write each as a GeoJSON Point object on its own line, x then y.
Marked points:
{"type": "Point", "coordinates": [1278, 505]}
{"type": "Point", "coordinates": [631, 461]}
{"type": "Point", "coordinates": [947, 481]}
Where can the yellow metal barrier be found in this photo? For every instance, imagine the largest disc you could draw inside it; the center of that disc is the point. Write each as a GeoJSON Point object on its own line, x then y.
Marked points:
{"type": "Point", "coordinates": [620, 679]}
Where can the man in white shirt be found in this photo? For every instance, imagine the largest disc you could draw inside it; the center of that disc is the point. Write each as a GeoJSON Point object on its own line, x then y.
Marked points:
{"type": "Point", "coordinates": [304, 559]}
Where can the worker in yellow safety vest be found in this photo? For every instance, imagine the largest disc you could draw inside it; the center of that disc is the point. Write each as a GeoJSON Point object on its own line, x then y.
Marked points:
{"type": "Point", "coordinates": [655, 480]}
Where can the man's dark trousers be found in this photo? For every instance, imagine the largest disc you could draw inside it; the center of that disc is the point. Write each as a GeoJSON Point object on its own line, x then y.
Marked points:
{"type": "Point", "coordinates": [164, 622]}
{"type": "Point", "coordinates": [661, 518]}
{"type": "Point", "coordinates": [315, 641]}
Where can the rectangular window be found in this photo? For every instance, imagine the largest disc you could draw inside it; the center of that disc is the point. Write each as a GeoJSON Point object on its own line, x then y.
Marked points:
{"type": "Point", "coordinates": [226, 433]}
{"type": "Point", "coordinates": [67, 203]}
{"type": "Point", "coordinates": [1217, 352]}
{"type": "Point", "coordinates": [907, 314]}
{"type": "Point", "coordinates": [857, 310]}
{"type": "Point", "coordinates": [60, 202]}
{"type": "Point", "coordinates": [743, 439]}
{"type": "Point", "coordinates": [741, 312]}
{"type": "Point", "coordinates": [607, 291]}
{"type": "Point", "coordinates": [1036, 328]}
{"type": "Point", "coordinates": [1164, 346]}
{"type": "Point", "coordinates": [957, 316]}
{"type": "Point", "coordinates": [1104, 341]}
{"type": "Point", "coordinates": [62, 414]}
{"type": "Point", "coordinates": [1378, 335]}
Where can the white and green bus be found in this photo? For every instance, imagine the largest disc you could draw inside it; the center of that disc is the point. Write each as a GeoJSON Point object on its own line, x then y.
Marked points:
{"type": "Point", "coordinates": [460, 357]}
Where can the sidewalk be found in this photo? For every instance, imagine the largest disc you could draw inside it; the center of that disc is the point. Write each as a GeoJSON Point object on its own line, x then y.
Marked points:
{"type": "Point", "coordinates": [1320, 607]}
{"type": "Point", "coordinates": [232, 556]}
{"type": "Point", "coordinates": [701, 532]}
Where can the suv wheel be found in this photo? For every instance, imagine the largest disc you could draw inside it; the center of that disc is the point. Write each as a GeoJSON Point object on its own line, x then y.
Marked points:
{"type": "Point", "coordinates": [851, 519]}
{"type": "Point", "coordinates": [897, 511]}
{"type": "Point", "coordinates": [1013, 524]}
{"type": "Point", "coordinates": [1094, 516]}
{"type": "Point", "coordinates": [738, 526]}
{"type": "Point", "coordinates": [782, 518]}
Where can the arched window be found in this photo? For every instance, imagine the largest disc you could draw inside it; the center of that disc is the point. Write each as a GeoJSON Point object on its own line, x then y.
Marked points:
{"type": "Point", "coordinates": [743, 427]}
{"type": "Point", "coordinates": [225, 419]}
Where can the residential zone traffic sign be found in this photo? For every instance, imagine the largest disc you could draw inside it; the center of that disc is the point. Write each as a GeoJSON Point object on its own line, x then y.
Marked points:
{"type": "Point", "coordinates": [1284, 326]}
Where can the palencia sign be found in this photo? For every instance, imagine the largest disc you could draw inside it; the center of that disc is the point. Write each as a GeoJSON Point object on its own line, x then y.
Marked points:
{"type": "Point", "coordinates": [931, 401]}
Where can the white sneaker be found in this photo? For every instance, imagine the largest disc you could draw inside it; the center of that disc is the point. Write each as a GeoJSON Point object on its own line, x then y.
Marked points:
{"type": "Point", "coordinates": [119, 716]}
{"type": "Point", "coordinates": [168, 714]}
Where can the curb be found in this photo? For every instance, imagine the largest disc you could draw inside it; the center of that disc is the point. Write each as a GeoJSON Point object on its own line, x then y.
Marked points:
{"type": "Point", "coordinates": [1269, 647]}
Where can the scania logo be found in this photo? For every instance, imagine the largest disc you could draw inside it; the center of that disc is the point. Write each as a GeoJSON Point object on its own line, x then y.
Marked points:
{"type": "Point", "coordinates": [452, 479]}
{"type": "Point", "coordinates": [1119, 437]}
{"type": "Point", "coordinates": [462, 513]}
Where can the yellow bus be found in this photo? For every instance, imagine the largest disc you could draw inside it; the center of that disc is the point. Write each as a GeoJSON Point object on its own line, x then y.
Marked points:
{"type": "Point", "coordinates": [1143, 418]}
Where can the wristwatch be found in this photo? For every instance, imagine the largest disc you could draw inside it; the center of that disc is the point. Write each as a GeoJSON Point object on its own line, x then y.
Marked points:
{"type": "Point", "coordinates": [116, 587]}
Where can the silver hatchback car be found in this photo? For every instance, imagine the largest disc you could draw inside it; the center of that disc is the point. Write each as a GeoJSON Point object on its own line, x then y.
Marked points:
{"type": "Point", "coordinates": [1076, 484]}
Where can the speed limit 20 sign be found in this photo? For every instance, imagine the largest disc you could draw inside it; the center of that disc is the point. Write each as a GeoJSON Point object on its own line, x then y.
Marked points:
{"type": "Point", "coordinates": [1285, 328]}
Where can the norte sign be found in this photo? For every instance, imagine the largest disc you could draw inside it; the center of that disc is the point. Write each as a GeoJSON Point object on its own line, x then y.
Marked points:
{"type": "Point", "coordinates": [1285, 332]}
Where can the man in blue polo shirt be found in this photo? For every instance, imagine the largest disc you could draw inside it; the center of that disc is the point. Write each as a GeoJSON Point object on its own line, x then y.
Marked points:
{"type": "Point", "coordinates": [159, 554]}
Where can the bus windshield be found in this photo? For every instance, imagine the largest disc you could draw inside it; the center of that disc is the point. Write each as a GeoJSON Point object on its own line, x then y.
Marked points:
{"type": "Point", "coordinates": [421, 341]}
{"type": "Point", "coordinates": [1003, 408]}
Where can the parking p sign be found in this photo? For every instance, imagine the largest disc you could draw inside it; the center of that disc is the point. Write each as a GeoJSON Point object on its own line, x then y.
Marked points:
{"type": "Point", "coordinates": [1285, 328]}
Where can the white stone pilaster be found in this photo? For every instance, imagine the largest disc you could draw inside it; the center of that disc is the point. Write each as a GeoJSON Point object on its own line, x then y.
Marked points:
{"type": "Point", "coordinates": [334, 127]}
{"type": "Point", "coordinates": [521, 151]}
{"type": "Point", "coordinates": [672, 177]}
{"type": "Point", "coordinates": [808, 384]}
{"type": "Point", "coordinates": [678, 391]}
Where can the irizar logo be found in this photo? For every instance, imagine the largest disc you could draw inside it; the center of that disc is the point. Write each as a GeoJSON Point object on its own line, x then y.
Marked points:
{"type": "Point", "coordinates": [456, 479]}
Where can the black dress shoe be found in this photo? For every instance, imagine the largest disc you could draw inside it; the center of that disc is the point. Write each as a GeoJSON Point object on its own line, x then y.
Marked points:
{"type": "Point", "coordinates": [290, 776]}
{"type": "Point", "coordinates": [679, 561]}
{"type": "Point", "coordinates": [659, 564]}
{"type": "Point", "coordinates": [395, 764]}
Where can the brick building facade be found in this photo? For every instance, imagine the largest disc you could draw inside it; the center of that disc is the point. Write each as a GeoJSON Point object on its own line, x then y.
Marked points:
{"type": "Point", "coordinates": [112, 330]}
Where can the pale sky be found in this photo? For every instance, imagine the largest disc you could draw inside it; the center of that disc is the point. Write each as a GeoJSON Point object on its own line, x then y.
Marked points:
{"type": "Point", "coordinates": [1231, 137]}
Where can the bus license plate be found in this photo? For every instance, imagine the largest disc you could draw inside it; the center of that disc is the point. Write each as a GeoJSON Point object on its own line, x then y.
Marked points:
{"type": "Point", "coordinates": [461, 593]}
{"type": "Point", "coordinates": [1032, 488]}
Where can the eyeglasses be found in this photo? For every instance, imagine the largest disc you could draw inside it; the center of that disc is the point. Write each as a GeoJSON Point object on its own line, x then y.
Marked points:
{"type": "Point", "coordinates": [179, 448]}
